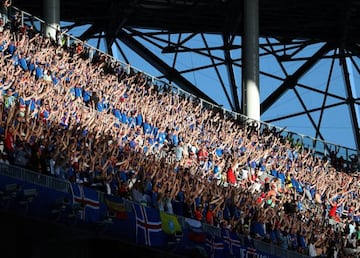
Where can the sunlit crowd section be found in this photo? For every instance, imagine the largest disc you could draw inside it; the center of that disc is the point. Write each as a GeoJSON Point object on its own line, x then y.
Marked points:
{"type": "Point", "coordinates": [74, 113]}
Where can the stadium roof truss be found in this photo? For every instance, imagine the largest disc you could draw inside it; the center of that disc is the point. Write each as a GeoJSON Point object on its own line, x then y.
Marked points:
{"type": "Point", "coordinates": [305, 47]}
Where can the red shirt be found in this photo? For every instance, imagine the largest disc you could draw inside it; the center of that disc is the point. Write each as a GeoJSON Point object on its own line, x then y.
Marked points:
{"type": "Point", "coordinates": [202, 154]}
{"type": "Point", "coordinates": [9, 142]}
{"type": "Point", "coordinates": [231, 176]}
{"type": "Point", "coordinates": [210, 217]}
{"type": "Point", "coordinates": [332, 212]}
{"type": "Point", "coordinates": [198, 215]}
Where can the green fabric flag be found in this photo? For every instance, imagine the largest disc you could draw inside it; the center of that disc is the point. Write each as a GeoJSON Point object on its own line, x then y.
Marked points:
{"type": "Point", "coordinates": [170, 224]}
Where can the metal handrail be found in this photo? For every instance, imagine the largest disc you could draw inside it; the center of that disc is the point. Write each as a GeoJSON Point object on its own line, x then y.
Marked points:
{"type": "Point", "coordinates": [35, 178]}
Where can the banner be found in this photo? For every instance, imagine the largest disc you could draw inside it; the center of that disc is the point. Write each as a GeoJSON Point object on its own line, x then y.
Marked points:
{"type": "Point", "coordinates": [215, 246]}
{"type": "Point", "coordinates": [116, 207]}
{"type": "Point", "coordinates": [232, 243]}
{"type": "Point", "coordinates": [148, 226]}
{"type": "Point", "coordinates": [88, 201]}
{"type": "Point", "coordinates": [196, 233]}
{"type": "Point", "coordinates": [248, 252]}
{"type": "Point", "coordinates": [170, 224]}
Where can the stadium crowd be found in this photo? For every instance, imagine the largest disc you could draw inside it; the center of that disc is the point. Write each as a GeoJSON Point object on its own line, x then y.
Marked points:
{"type": "Point", "coordinates": [74, 113]}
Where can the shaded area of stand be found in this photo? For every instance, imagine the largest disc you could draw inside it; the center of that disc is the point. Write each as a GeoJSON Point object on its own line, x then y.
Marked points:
{"type": "Point", "coordinates": [32, 238]}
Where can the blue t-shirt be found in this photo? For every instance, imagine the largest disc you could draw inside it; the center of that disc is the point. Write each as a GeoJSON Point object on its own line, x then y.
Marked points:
{"type": "Point", "coordinates": [100, 106]}
{"type": "Point", "coordinates": [72, 92]}
{"type": "Point", "coordinates": [132, 144]}
{"type": "Point", "coordinates": [23, 64]}
{"type": "Point", "coordinates": [55, 80]}
{"type": "Point", "coordinates": [39, 73]}
{"type": "Point", "coordinates": [86, 96]}
{"type": "Point", "coordinates": [124, 118]}
{"type": "Point", "coordinates": [16, 60]}
{"type": "Point", "coordinates": [46, 114]}
{"type": "Point", "coordinates": [161, 137]}
{"type": "Point", "coordinates": [139, 120]}
{"type": "Point", "coordinates": [117, 114]}
{"type": "Point", "coordinates": [175, 139]}
{"type": "Point", "coordinates": [78, 92]}
{"type": "Point", "coordinates": [281, 176]}
{"type": "Point", "coordinates": [154, 130]}
{"type": "Point", "coordinates": [22, 102]}
{"type": "Point", "coordinates": [180, 196]}
{"type": "Point", "coordinates": [146, 128]}
{"type": "Point", "coordinates": [219, 152]}
{"type": "Point", "coordinates": [296, 185]}
{"type": "Point", "coordinates": [31, 104]}
{"type": "Point", "coordinates": [12, 48]}
{"type": "Point", "coordinates": [123, 176]}
{"type": "Point", "coordinates": [131, 121]}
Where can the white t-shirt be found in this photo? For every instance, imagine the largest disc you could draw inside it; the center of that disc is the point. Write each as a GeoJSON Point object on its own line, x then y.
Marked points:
{"type": "Point", "coordinates": [245, 174]}
{"type": "Point", "coordinates": [352, 229]}
{"type": "Point", "coordinates": [312, 250]}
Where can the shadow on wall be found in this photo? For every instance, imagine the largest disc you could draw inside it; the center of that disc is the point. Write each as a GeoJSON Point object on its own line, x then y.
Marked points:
{"type": "Point", "coordinates": [32, 238]}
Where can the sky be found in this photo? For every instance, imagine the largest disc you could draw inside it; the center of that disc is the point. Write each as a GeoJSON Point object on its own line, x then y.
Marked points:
{"type": "Point", "coordinates": [336, 126]}
{"type": "Point", "coordinates": [336, 121]}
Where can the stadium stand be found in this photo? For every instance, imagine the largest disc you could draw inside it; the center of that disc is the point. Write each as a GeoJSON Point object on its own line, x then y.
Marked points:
{"type": "Point", "coordinates": [101, 128]}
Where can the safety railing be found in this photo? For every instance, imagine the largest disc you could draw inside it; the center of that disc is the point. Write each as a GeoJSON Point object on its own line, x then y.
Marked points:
{"type": "Point", "coordinates": [35, 178]}
{"type": "Point", "coordinates": [276, 250]}
{"type": "Point", "coordinates": [319, 147]}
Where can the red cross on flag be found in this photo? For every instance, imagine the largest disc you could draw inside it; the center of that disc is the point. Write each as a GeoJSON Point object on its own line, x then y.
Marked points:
{"type": "Point", "coordinates": [88, 200]}
{"type": "Point", "coordinates": [148, 226]}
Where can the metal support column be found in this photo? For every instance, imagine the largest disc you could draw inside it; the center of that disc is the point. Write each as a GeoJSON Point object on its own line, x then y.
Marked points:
{"type": "Point", "coordinates": [250, 57]}
{"type": "Point", "coordinates": [52, 17]}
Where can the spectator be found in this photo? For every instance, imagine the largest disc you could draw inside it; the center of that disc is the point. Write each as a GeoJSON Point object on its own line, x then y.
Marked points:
{"type": "Point", "coordinates": [5, 10]}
